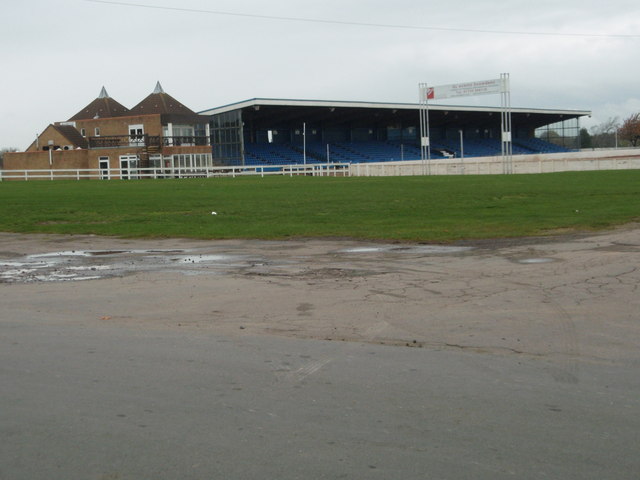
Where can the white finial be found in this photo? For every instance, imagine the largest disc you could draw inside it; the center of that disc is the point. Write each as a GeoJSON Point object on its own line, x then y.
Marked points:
{"type": "Point", "coordinates": [158, 88]}
{"type": "Point", "coordinates": [103, 93]}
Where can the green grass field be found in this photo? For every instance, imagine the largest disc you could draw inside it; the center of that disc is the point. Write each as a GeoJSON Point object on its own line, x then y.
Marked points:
{"type": "Point", "coordinates": [426, 209]}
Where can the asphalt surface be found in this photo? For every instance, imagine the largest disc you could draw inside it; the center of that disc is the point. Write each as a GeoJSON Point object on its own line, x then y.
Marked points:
{"type": "Point", "coordinates": [96, 382]}
{"type": "Point", "coordinates": [117, 403]}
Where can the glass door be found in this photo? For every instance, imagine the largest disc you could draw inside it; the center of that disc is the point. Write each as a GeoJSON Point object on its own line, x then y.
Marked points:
{"type": "Point", "coordinates": [103, 166]}
{"type": "Point", "coordinates": [136, 135]}
{"type": "Point", "coordinates": [129, 167]}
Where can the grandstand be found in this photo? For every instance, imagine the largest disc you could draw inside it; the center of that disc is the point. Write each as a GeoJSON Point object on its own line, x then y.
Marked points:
{"type": "Point", "coordinates": [269, 132]}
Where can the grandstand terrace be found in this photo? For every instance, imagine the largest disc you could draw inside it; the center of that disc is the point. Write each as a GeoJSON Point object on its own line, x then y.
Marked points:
{"type": "Point", "coordinates": [264, 132]}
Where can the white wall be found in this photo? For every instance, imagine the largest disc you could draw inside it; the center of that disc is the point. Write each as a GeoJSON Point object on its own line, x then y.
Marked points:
{"type": "Point", "coordinates": [621, 159]}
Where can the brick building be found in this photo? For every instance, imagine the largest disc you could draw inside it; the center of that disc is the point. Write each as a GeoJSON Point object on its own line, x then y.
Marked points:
{"type": "Point", "coordinates": [158, 133]}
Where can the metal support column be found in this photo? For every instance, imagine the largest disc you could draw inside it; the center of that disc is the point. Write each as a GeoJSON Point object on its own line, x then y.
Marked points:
{"type": "Point", "coordinates": [506, 135]}
{"type": "Point", "coordinates": [425, 144]}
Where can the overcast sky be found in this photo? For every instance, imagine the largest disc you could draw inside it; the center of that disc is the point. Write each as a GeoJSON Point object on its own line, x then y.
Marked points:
{"type": "Point", "coordinates": [57, 54]}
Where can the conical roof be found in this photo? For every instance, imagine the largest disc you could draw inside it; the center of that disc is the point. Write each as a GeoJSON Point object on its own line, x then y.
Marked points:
{"type": "Point", "coordinates": [158, 88]}
{"type": "Point", "coordinates": [162, 103]}
{"type": "Point", "coordinates": [102, 107]}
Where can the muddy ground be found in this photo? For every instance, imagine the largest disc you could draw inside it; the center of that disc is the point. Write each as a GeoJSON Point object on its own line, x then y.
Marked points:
{"type": "Point", "coordinates": [567, 299]}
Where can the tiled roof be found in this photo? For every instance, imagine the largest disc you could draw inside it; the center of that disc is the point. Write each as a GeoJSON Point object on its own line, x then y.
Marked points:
{"type": "Point", "coordinates": [162, 103]}
{"type": "Point", "coordinates": [102, 107]}
{"type": "Point", "coordinates": [72, 134]}
{"type": "Point", "coordinates": [170, 109]}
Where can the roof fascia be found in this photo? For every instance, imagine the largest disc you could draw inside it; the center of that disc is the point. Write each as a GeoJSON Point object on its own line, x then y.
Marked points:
{"type": "Point", "coordinates": [257, 102]}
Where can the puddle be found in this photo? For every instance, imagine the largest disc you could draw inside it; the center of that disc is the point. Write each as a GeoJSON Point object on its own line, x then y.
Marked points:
{"type": "Point", "coordinates": [99, 253]}
{"type": "Point", "coordinates": [91, 268]}
{"type": "Point", "coordinates": [108, 252]}
{"type": "Point", "coordinates": [69, 253]}
{"type": "Point", "coordinates": [528, 261]}
{"type": "Point", "coordinates": [435, 249]}
{"type": "Point", "coordinates": [363, 250]}
{"type": "Point", "coordinates": [80, 265]}
{"type": "Point", "coordinates": [23, 264]}
{"type": "Point", "coordinates": [205, 258]}
{"type": "Point", "coordinates": [413, 249]}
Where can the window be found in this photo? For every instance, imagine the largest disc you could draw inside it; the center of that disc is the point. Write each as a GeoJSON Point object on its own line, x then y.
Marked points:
{"type": "Point", "coordinates": [183, 135]}
{"type": "Point", "coordinates": [192, 161]}
{"type": "Point", "coordinates": [96, 131]}
{"type": "Point", "coordinates": [136, 135]}
{"type": "Point", "coordinates": [83, 132]}
{"type": "Point", "coordinates": [155, 161]}
{"type": "Point", "coordinates": [226, 137]}
{"type": "Point", "coordinates": [565, 133]}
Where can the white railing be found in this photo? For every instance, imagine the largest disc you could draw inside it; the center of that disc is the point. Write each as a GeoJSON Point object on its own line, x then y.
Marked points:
{"type": "Point", "coordinates": [316, 170]}
{"type": "Point", "coordinates": [521, 164]}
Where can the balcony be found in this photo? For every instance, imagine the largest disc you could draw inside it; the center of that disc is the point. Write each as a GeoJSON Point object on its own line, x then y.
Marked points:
{"type": "Point", "coordinates": [122, 141]}
{"type": "Point", "coordinates": [188, 141]}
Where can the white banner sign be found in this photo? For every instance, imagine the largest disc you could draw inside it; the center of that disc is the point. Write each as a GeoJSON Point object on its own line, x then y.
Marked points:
{"type": "Point", "coordinates": [483, 87]}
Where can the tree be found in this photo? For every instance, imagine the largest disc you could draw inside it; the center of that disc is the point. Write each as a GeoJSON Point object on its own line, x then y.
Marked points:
{"type": "Point", "coordinates": [3, 151]}
{"type": "Point", "coordinates": [550, 136]}
{"type": "Point", "coordinates": [604, 134]}
{"type": "Point", "coordinates": [630, 129]}
{"type": "Point", "coordinates": [585, 138]}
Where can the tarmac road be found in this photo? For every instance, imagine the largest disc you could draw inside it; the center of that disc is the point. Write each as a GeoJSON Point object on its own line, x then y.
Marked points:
{"type": "Point", "coordinates": [227, 371]}
{"type": "Point", "coordinates": [111, 402]}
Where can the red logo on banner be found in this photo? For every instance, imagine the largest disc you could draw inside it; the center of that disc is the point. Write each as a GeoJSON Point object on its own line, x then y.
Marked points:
{"type": "Point", "coordinates": [431, 94]}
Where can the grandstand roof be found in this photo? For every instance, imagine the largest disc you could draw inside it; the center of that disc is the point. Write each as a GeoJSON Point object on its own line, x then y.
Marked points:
{"type": "Point", "coordinates": [340, 112]}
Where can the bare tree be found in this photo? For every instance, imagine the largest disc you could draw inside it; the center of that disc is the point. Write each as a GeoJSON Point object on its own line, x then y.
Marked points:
{"type": "Point", "coordinates": [604, 134]}
{"type": "Point", "coordinates": [630, 129]}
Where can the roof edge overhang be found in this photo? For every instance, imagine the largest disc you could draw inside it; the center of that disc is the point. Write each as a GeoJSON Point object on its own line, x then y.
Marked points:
{"type": "Point", "coordinates": [258, 102]}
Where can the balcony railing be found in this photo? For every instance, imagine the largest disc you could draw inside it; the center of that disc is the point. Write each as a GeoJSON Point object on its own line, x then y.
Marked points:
{"type": "Point", "coordinates": [118, 141]}
{"type": "Point", "coordinates": [188, 141]}
{"type": "Point", "coordinates": [115, 141]}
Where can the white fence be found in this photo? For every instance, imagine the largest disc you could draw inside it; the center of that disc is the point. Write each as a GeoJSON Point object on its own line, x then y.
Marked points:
{"type": "Point", "coordinates": [316, 170]}
{"type": "Point", "coordinates": [627, 159]}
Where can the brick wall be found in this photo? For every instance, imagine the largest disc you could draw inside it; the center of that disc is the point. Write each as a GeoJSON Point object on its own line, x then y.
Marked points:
{"type": "Point", "coordinates": [40, 160]}
{"type": "Point", "coordinates": [50, 134]}
{"type": "Point", "coordinates": [120, 125]}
